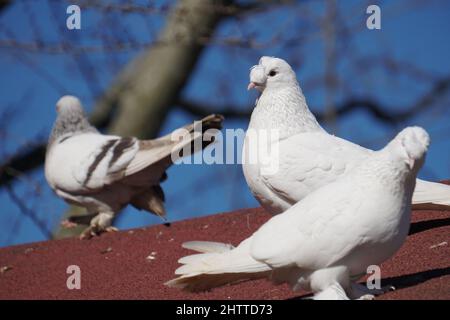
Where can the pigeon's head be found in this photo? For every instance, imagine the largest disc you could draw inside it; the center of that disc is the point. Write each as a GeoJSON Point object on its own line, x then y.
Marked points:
{"type": "Point", "coordinates": [271, 72]}
{"type": "Point", "coordinates": [411, 146]}
{"type": "Point", "coordinates": [69, 104]}
{"type": "Point", "coordinates": [71, 119]}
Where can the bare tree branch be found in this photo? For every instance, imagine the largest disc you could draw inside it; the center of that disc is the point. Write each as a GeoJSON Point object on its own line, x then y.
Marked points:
{"type": "Point", "coordinates": [34, 157]}
{"type": "Point", "coordinates": [4, 4]}
{"type": "Point", "coordinates": [21, 163]}
{"type": "Point", "coordinates": [230, 9]}
{"type": "Point", "coordinates": [29, 213]}
{"type": "Point", "coordinates": [382, 113]}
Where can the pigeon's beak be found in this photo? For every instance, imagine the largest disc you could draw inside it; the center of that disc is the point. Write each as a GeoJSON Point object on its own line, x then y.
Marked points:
{"type": "Point", "coordinates": [251, 85]}
{"type": "Point", "coordinates": [409, 159]}
{"type": "Point", "coordinates": [410, 162]}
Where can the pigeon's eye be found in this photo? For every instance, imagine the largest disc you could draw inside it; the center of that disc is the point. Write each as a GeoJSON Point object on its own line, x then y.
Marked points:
{"type": "Point", "coordinates": [272, 73]}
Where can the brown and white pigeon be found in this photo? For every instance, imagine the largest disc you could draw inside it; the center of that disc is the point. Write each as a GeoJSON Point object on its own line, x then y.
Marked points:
{"type": "Point", "coordinates": [105, 173]}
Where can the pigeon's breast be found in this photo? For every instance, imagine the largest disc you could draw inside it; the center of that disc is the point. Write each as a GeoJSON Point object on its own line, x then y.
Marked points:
{"type": "Point", "coordinates": [253, 166]}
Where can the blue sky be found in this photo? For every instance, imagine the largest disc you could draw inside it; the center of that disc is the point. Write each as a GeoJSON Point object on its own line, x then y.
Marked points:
{"type": "Point", "coordinates": [31, 83]}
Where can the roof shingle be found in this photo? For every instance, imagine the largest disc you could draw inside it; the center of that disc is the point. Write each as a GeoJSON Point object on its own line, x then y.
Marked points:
{"type": "Point", "coordinates": [115, 266]}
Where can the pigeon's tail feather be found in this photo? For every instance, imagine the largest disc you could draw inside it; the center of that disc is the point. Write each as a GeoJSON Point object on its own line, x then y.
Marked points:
{"type": "Point", "coordinates": [151, 200]}
{"type": "Point", "coordinates": [155, 156]}
{"type": "Point", "coordinates": [431, 196]}
{"type": "Point", "coordinates": [221, 265]}
{"type": "Point", "coordinates": [207, 246]}
{"type": "Point", "coordinates": [212, 121]}
{"type": "Point", "coordinates": [199, 130]}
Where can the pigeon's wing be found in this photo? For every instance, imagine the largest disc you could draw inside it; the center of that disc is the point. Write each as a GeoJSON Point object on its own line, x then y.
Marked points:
{"type": "Point", "coordinates": [319, 223]}
{"type": "Point", "coordinates": [86, 162]}
{"type": "Point", "coordinates": [155, 156]}
{"type": "Point", "coordinates": [307, 161]}
{"type": "Point", "coordinates": [129, 160]}
{"type": "Point", "coordinates": [150, 162]}
{"type": "Point", "coordinates": [153, 152]}
{"type": "Point", "coordinates": [105, 161]}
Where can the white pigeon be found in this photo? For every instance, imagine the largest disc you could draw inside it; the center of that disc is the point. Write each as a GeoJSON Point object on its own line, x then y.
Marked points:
{"type": "Point", "coordinates": [305, 156]}
{"type": "Point", "coordinates": [105, 173]}
{"type": "Point", "coordinates": [325, 242]}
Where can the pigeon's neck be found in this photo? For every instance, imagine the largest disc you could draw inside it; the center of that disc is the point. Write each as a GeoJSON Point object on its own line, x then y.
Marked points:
{"type": "Point", "coordinates": [285, 110]}
{"type": "Point", "coordinates": [68, 125]}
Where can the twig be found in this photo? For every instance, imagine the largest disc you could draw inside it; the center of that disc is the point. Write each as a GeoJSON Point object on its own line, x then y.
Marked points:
{"type": "Point", "coordinates": [29, 213]}
{"type": "Point", "coordinates": [378, 111]}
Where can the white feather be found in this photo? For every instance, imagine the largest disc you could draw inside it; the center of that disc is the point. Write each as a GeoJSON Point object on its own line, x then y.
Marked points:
{"type": "Point", "coordinates": [207, 246]}
{"type": "Point", "coordinates": [428, 194]}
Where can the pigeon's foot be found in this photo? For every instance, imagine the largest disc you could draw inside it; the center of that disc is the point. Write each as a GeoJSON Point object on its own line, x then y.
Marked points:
{"type": "Point", "coordinates": [93, 231]}
{"type": "Point", "coordinates": [88, 233]}
{"type": "Point", "coordinates": [333, 292]}
{"type": "Point", "coordinates": [367, 297]}
{"type": "Point", "coordinates": [99, 224]}
{"type": "Point", "coordinates": [66, 224]}
{"type": "Point", "coordinates": [361, 292]}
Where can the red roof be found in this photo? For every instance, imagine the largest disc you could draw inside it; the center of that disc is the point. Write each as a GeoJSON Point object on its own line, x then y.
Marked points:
{"type": "Point", "coordinates": [115, 266]}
